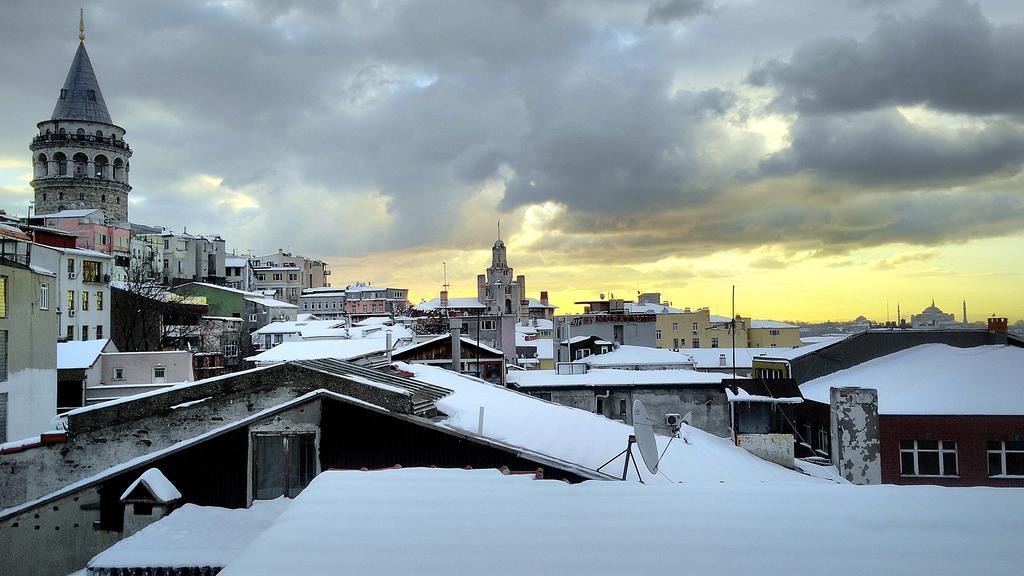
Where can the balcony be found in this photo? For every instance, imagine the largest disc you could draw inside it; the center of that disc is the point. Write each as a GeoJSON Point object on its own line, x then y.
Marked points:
{"type": "Point", "coordinates": [73, 138]}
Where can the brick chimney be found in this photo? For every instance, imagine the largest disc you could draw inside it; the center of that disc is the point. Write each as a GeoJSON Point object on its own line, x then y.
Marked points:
{"type": "Point", "coordinates": [544, 297]}
{"type": "Point", "coordinates": [998, 329]}
{"type": "Point", "coordinates": [444, 298]}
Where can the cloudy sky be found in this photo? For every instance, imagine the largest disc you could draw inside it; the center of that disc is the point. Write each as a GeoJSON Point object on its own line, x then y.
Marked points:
{"type": "Point", "coordinates": [830, 159]}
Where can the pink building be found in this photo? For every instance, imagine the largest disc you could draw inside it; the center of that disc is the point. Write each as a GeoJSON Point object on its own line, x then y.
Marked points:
{"type": "Point", "coordinates": [88, 224]}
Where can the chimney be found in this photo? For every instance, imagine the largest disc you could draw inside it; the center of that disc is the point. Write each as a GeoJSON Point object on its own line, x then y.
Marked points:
{"type": "Point", "coordinates": [544, 297]}
{"type": "Point", "coordinates": [521, 280]}
{"type": "Point", "coordinates": [456, 329]}
{"type": "Point", "coordinates": [444, 298]}
{"type": "Point", "coordinates": [388, 343]}
{"type": "Point", "coordinates": [998, 329]}
{"type": "Point", "coordinates": [855, 434]}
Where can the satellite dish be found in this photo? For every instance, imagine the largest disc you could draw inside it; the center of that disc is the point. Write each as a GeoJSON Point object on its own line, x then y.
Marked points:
{"type": "Point", "coordinates": [643, 429]}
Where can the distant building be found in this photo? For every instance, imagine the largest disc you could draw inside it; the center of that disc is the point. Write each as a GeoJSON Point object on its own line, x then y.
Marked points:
{"type": "Point", "coordinates": [81, 293]}
{"type": "Point", "coordinates": [255, 309]}
{"type": "Point", "coordinates": [93, 232]}
{"type": "Point", "coordinates": [327, 303]}
{"type": "Point", "coordinates": [772, 334]}
{"type": "Point", "coordinates": [287, 274]}
{"type": "Point", "coordinates": [239, 273]}
{"type": "Point", "coordinates": [185, 257]}
{"type": "Point", "coordinates": [933, 317]}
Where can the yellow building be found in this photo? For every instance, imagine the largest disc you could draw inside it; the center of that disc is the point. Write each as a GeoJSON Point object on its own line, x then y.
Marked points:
{"type": "Point", "coordinates": [772, 334]}
{"type": "Point", "coordinates": [698, 329]}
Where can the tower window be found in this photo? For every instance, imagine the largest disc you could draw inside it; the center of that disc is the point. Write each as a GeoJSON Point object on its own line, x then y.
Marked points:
{"type": "Point", "coordinates": [92, 95]}
{"type": "Point", "coordinates": [63, 94]}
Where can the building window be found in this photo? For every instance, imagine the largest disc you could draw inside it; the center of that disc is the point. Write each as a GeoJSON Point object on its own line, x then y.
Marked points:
{"type": "Point", "coordinates": [99, 332]}
{"type": "Point", "coordinates": [675, 343]}
{"type": "Point", "coordinates": [118, 373]}
{"type": "Point", "coordinates": [622, 409]}
{"type": "Point", "coordinates": [3, 417]}
{"type": "Point", "coordinates": [159, 373]}
{"type": "Point", "coordinates": [773, 332]}
{"type": "Point", "coordinates": [824, 444]}
{"type": "Point", "coordinates": [252, 317]}
{"type": "Point", "coordinates": [71, 300]}
{"type": "Point", "coordinates": [277, 276]}
{"type": "Point", "coordinates": [582, 353]}
{"type": "Point", "coordinates": [696, 342]}
{"type": "Point", "coordinates": [928, 458]}
{"type": "Point", "coordinates": [696, 328]}
{"type": "Point", "coordinates": [292, 277]}
{"type": "Point", "coordinates": [3, 361]}
{"type": "Point", "coordinates": [230, 350]}
{"type": "Point", "coordinates": [71, 333]}
{"type": "Point", "coordinates": [71, 267]}
{"type": "Point", "coordinates": [675, 326]}
{"type": "Point", "coordinates": [282, 464]}
{"type": "Point", "coordinates": [85, 333]}
{"type": "Point", "coordinates": [44, 295]}
{"type": "Point", "coordinates": [714, 342]}
{"type": "Point", "coordinates": [657, 334]}
{"type": "Point", "coordinates": [1006, 459]}
{"type": "Point", "coordinates": [3, 296]}
{"type": "Point", "coordinates": [90, 271]}
{"type": "Point", "coordinates": [487, 325]}
{"type": "Point", "coordinates": [99, 300]}
{"type": "Point", "coordinates": [600, 405]}
{"type": "Point", "coordinates": [85, 300]}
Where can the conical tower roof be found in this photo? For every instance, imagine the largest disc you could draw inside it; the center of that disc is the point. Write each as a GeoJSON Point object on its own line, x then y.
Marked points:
{"type": "Point", "coordinates": [81, 98]}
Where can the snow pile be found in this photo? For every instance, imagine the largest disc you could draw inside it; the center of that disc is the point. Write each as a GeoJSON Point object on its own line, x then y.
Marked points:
{"type": "Point", "coordinates": [294, 327]}
{"type": "Point", "coordinates": [587, 439]}
{"type": "Point", "coordinates": [936, 379]}
{"type": "Point", "coordinates": [742, 395]}
{"type": "Point", "coordinates": [192, 536]}
{"type": "Point", "coordinates": [157, 484]}
{"type": "Point", "coordinates": [436, 521]}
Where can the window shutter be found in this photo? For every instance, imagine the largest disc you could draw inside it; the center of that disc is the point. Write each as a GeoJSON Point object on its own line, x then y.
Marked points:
{"type": "Point", "coordinates": [3, 417]}
{"type": "Point", "coordinates": [3, 355]}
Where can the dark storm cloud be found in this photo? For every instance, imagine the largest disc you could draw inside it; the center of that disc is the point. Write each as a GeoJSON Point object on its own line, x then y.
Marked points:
{"type": "Point", "coordinates": [362, 128]}
{"type": "Point", "coordinates": [949, 58]}
{"type": "Point", "coordinates": [882, 148]}
{"type": "Point", "coordinates": [663, 11]}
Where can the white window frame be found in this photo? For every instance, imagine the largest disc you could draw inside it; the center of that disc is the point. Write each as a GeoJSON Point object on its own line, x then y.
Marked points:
{"type": "Point", "coordinates": [696, 328]}
{"type": "Point", "coordinates": [44, 296]}
{"type": "Point", "coordinates": [582, 353]}
{"type": "Point", "coordinates": [118, 373]}
{"type": "Point", "coordinates": [1002, 460]}
{"type": "Point", "coordinates": [487, 325]}
{"type": "Point", "coordinates": [657, 334]}
{"type": "Point", "coordinates": [941, 450]}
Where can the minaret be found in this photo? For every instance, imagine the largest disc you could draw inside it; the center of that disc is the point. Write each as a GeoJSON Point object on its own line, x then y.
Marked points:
{"type": "Point", "coordinates": [80, 158]}
{"type": "Point", "coordinates": [965, 312]}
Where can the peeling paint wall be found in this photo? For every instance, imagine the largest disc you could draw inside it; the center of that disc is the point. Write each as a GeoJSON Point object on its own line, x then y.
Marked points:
{"type": "Point", "coordinates": [777, 448]}
{"type": "Point", "coordinates": [856, 440]}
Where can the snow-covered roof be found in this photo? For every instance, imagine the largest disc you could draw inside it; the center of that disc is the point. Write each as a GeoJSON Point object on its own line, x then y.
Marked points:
{"type": "Point", "coordinates": [398, 332]}
{"type": "Point", "coordinates": [583, 438]}
{"type": "Point", "coordinates": [456, 303]}
{"type": "Point", "coordinates": [297, 326]}
{"type": "Point", "coordinates": [465, 340]}
{"type": "Point", "coordinates": [793, 353]}
{"type": "Point", "coordinates": [223, 289]}
{"type": "Point", "coordinates": [338, 349]}
{"type": "Point", "coordinates": [40, 270]}
{"type": "Point", "coordinates": [235, 262]}
{"type": "Point", "coordinates": [306, 317]}
{"type": "Point", "coordinates": [442, 522]}
{"type": "Point", "coordinates": [936, 379]}
{"type": "Point", "coordinates": [716, 319]}
{"type": "Point", "coordinates": [79, 354]}
{"type": "Point", "coordinates": [771, 324]}
{"type": "Point", "coordinates": [535, 303]}
{"type": "Point", "coordinates": [157, 484]}
{"type": "Point", "coordinates": [192, 536]}
{"type": "Point", "coordinates": [708, 358]}
{"type": "Point", "coordinates": [613, 377]}
{"type": "Point", "coordinates": [81, 213]}
{"type": "Point", "coordinates": [374, 321]}
{"type": "Point", "coordinates": [634, 308]}
{"type": "Point", "coordinates": [628, 355]}
{"type": "Point", "coordinates": [269, 302]}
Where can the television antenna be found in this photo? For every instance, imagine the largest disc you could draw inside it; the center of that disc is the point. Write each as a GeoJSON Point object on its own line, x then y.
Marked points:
{"type": "Point", "coordinates": [643, 437]}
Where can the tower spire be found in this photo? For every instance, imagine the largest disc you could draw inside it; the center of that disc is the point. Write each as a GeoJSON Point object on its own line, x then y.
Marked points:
{"type": "Point", "coordinates": [499, 229]}
{"type": "Point", "coordinates": [81, 24]}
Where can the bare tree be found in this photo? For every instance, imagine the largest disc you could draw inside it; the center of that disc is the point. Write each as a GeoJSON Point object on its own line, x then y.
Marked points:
{"type": "Point", "coordinates": [147, 317]}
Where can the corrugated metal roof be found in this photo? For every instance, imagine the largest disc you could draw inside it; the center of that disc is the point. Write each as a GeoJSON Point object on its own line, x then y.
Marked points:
{"type": "Point", "coordinates": [429, 392]}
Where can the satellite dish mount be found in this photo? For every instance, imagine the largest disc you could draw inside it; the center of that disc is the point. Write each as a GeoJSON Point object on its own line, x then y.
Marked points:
{"type": "Point", "coordinates": [629, 457]}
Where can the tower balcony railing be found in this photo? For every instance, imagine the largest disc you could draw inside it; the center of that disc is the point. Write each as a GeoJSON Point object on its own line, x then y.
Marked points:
{"type": "Point", "coordinates": [61, 138]}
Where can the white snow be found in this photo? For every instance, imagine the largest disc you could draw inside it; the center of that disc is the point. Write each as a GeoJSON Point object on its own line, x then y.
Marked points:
{"type": "Point", "coordinates": [792, 353]}
{"type": "Point", "coordinates": [269, 302]}
{"type": "Point", "coordinates": [445, 522]}
{"type": "Point", "coordinates": [612, 377]}
{"type": "Point", "coordinates": [192, 536]}
{"type": "Point", "coordinates": [586, 439]}
{"type": "Point", "coordinates": [463, 339]}
{"type": "Point", "coordinates": [338, 349]}
{"type": "Point", "coordinates": [294, 327]}
{"type": "Point", "coordinates": [453, 303]}
{"type": "Point", "coordinates": [638, 356]}
{"type": "Point", "coordinates": [936, 379]}
{"type": "Point", "coordinates": [742, 395]}
{"type": "Point", "coordinates": [771, 324]}
{"type": "Point", "coordinates": [158, 485]}
{"type": "Point", "coordinates": [79, 354]}
{"type": "Point", "coordinates": [711, 358]}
